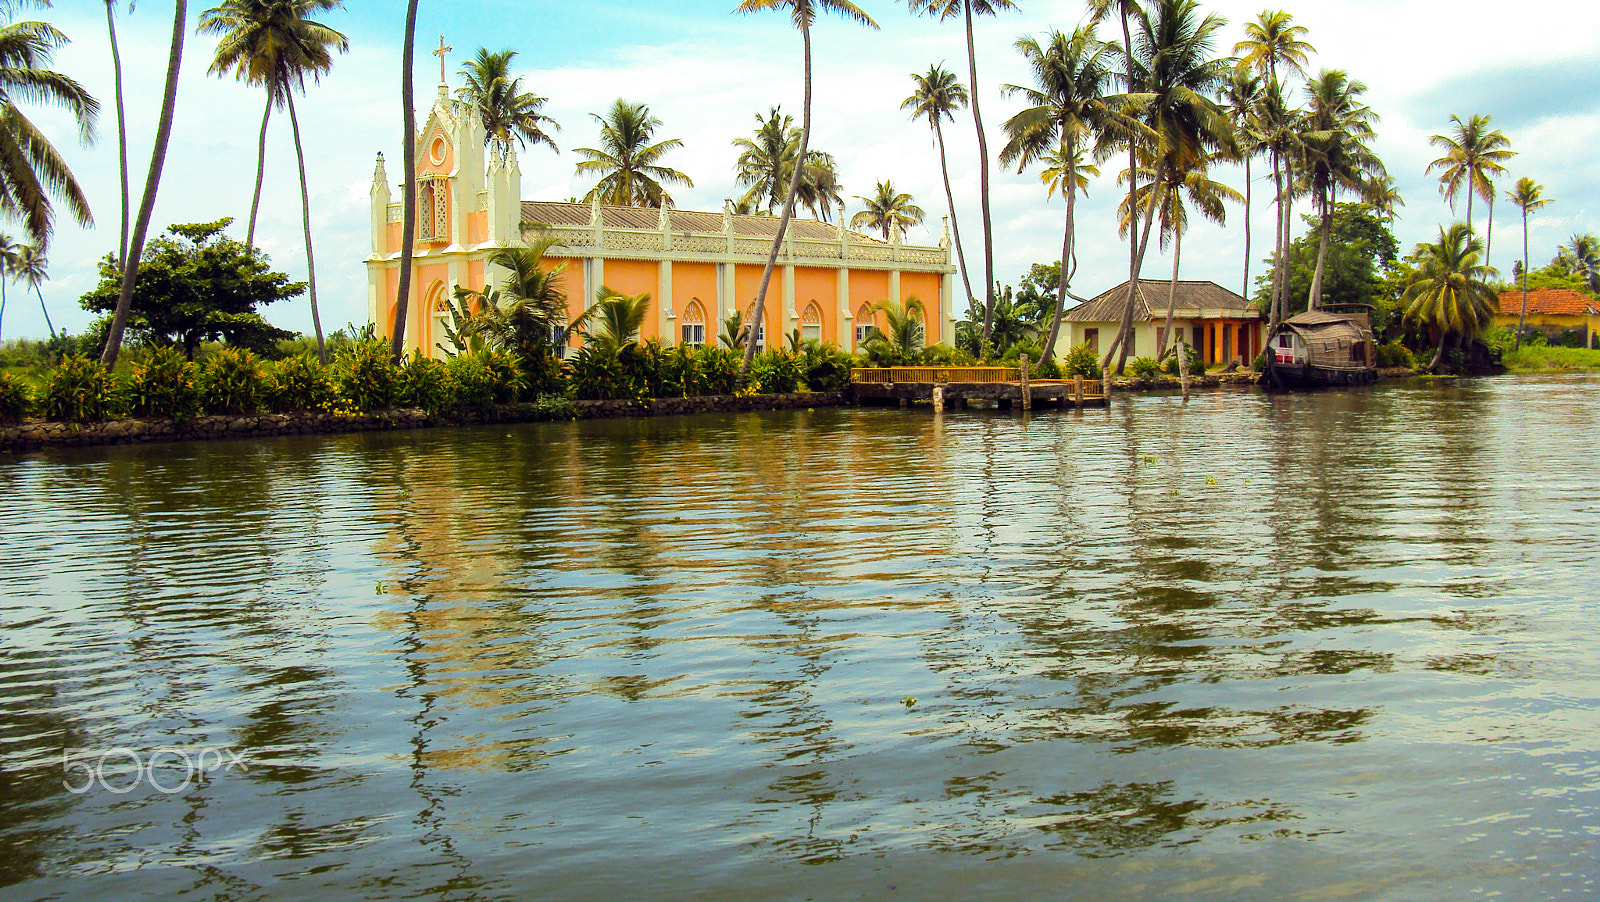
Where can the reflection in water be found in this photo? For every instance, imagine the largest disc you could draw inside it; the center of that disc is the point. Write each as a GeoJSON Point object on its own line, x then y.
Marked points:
{"type": "Point", "coordinates": [1216, 648]}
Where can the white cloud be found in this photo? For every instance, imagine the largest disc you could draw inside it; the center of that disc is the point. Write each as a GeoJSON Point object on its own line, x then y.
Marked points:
{"type": "Point", "coordinates": [706, 90]}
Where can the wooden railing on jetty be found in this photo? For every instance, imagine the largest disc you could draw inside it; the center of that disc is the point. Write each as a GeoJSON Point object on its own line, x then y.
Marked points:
{"type": "Point", "coordinates": [1000, 385]}
{"type": "Point", "coordinates": [888, 375]}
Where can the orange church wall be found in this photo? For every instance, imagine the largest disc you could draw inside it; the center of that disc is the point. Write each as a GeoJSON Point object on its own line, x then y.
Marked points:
{"type": "Point", "coordinates": [746, 284]}
{"type": "Point", "coordinates": [696, 280]}
{"type": "Point", "coordinates": [924, 286]}
{"type": "Point", "coordinates": [822, 286]}
{"type": "Point", "coordinates": [631, 277]}
{"type": "Point", "coordinates": [868, 287]}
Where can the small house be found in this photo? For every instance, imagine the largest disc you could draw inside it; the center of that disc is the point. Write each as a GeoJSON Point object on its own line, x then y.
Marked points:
{"type": "Point", "coordinates": [1225, 327]}
{"type": "Point", "coordinates": [1551, 311]}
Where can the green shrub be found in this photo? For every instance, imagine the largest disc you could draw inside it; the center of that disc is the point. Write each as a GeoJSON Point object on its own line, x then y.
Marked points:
{"type": "Point", "coordinates": [668, 372]}
{"type": "Point", "coordinates": [484, 378]}
{"type": "Point", "coordinates": [80, 391]}
{"type": "Point", "coordinates": [16, 399]}
{"type": "Point", "coordinates": [425, 383]}
{"type": "Point", "coordinates": [555, 407]}
{"type": "Point", "coordinates": [944, 355]}
{"type": "Point", "coordinates": [600, 374]}
{"type": "Point", "coordinates": [542, 375]}
{"type": "Point", "coordinates": [300, 382]}
{"type": "Point", "coordinates": [1144, 369]}
{"type": "Point", "coordinates": [1081, 362]}
{"type": "Point", "coordinates": [231, 381]}
{"type": "Point", "coordinates": [164, 384]}
{"type": "Point", "coordinates": [505, 375]}
{"type": "Point", "coordinates": [1197, 364]}
{"type": "Point", "coordinates": [365, 374]}
{"type": "Point", "coordinates": [827, 368]}
{"type": "Point", "coordinates": [1394, 354]}
{"type": "Point", "coordinates": [775, 373]}
{"type": "Point", "coordinates": [719, 371]}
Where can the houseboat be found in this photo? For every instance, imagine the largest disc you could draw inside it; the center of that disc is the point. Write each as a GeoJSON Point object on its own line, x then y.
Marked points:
{"type": "Point", "coordinates": [1329, 346]}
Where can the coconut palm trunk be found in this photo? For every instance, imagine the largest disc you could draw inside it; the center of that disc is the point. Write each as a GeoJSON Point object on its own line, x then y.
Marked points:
{"type": "Point", "coordinates": [45, 310]}
{"type": "Point", "coordinates": [408, 217]}
{"type": "Point", "coordinates": [122, 131]}
{"type": "Point", "coordinates": [788, 204]}
{"type": "Point", "coordinates": [158, 158]}
{"type": "Point", "coordinates": [305, 219]}
{"type": "Point", "coordinates": [950, 199]}
{"type": "Point", "coordinates": [1522, 318]}
{"type": "Point", "coordinates": [1068, 237]}
{"type": "Point", "coordinates": [1172, 294]}
{"type": "Point", "coordinates": [1249, 193]}
{"type": "Point", "coordinates": [261, 172]}
{"type": "Point", "coordinates": [983, 179]}
{"type": "Point", "coordinates": [1324, 235]}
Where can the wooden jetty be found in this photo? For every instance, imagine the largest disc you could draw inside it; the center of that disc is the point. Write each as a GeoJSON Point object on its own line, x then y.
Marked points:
{"type": "Point", "coordinates": [1005, 386]}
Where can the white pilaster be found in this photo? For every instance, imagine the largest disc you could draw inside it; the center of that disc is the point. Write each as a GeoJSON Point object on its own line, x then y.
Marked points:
{"type": "Point", "coordinates": [665, 309]}
{"type": "Point", "coordinates": [791, 317]}
{"type": "Point", "coordinates": [845, 317]}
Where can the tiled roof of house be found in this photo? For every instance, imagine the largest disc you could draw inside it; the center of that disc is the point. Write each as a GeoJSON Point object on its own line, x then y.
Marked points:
{"type": "Point", "coordinates": [1190, 300]}
{"type": "Point", "coordinates": [1547, 302]}
{"type": "Point", "coordinates": [570, 215]}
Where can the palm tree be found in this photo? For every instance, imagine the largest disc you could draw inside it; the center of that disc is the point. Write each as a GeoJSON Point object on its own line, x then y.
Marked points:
{"type": "Point", "coordinates": [152, 181]}
{"type": "Point", "coordinates": [887, 210]}
{"type": "Point", "coordinates": [1581, 257]}
{"type": "Point", "coordinates": [122, 129]}
{"type": "Point", "coordinates": [506, 111]}
{"type": "Point", "coordinates": [1208, 198]}
{"type": "Point", "coordinates": [530, 315]}
{"type": "Point", "coordinates": [8, 262]}
{"type": "Point", "coordinates": [1528, 196]}
{"type": "Point", "coordinates": [1274, 44]}
{"type": "Point", "coordinates": [408, 216]}
{"type": "Point", "coordinates": [803, 13]}
{"type": "Point", "coordinates": [618, 319]}
{"type": "Point", "coordinates": [1179, 75]}
{"type": "Point", "coordinates": [1068, 109]}
{"type": "Point", "coordinates": [632, 174]}
{"type": "Point", "coordinates": [1336, 128]}
{"type": "Point", "coordinates": [937, 96]}
{"type": "Point", "coordinates": [1242, 95]}
{"type": "Point", "coordinates": [766, 165]}
{"type": "Point", "coordinates": [274, 44]}
{"type": "Point", "coordinates": [966, 9]}
{"type": "Point", "coordinates": [902, 337]}
{"type": "Point", "coordinates": [32, 173]}
{"type": "Point", "coordinates": [1472, 154]}
{"type": "Point", "coordinates": [734, 331]}
{"type": "Point", "coordinates": [31, 266]}
{"type": "Point", "coordinates": [1451, 291]}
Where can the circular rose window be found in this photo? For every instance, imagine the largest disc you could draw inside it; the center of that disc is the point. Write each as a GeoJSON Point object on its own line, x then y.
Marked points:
{"type": "Point", "coordinates": [436, 152]}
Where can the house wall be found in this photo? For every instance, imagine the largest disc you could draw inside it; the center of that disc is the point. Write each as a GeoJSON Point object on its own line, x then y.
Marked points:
{"type": "Point", "coordinates": [1220, 341]}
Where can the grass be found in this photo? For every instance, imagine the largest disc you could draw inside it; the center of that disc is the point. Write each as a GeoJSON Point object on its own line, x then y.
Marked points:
{"type": "Point", "coordinates": [1545, 359]}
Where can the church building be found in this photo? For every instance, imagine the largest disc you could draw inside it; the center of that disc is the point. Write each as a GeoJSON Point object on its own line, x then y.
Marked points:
{"type": "Point", "coordinates": [698, 267]}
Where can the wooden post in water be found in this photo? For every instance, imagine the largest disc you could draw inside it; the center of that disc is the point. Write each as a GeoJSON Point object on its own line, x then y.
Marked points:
{"type": "Point", "coordinates": [938, 399]}
{"type": "Point", "coordinates": [1077, 391]}
{"type": "Point", "coordinates": [1027, 392]}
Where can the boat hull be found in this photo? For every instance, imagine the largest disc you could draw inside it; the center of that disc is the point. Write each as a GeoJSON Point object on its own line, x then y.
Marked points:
{"type": "Point", "coordinates": [1310, 376]}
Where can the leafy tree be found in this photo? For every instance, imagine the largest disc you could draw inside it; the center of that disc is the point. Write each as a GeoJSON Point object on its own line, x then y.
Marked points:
{"type": "Point", "coordinates": [629, 164]}
{"type": "Point", "coordinates": [1361, 250]}
{"type": "Point", "coordinates": [195, 284]}
{"type": "Point", "coordinates": [508, 113]}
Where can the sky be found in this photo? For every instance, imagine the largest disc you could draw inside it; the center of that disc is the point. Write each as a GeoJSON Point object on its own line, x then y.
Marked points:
{"type": "Point", "coordinates": [707, 71]}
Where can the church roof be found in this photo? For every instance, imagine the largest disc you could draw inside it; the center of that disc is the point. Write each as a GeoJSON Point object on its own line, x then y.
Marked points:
{"type": "Point", "coordinates": [1192, 301]}
{"type": "Point", "coordinates": [570, 215]}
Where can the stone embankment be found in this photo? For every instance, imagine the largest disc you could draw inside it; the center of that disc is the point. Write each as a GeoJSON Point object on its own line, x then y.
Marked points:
{"type": "Point", "coordinates": [1219, 379]}
{"type": "Point", "coordinates": [34, 434]}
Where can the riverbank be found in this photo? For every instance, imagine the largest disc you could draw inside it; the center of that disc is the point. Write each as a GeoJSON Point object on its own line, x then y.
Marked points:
{"type": "Point", "coordinates": [31, 435]}
{"type": "Point", "coordinates": [1220, 379]}
{"type": "Point", "coordinates": [1545, 359]}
